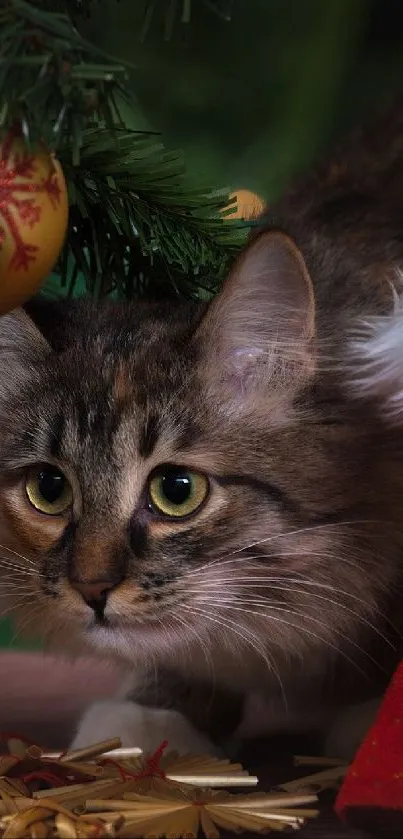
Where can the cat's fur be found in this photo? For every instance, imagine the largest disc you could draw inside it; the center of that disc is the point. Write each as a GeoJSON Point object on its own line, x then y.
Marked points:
{"type": "Point", "coordinates": [286, 586]}
{"type": "Point", "coordinates": [376, 362]}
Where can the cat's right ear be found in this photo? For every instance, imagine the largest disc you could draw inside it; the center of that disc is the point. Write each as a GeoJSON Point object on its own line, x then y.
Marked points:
{"type": "Point", "coordinates": [21, 346]}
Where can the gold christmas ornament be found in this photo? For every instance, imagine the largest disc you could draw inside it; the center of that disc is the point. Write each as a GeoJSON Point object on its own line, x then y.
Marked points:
{"type": "Point", "coordinates": [106, 791]}
{"type": "Point", "coordinates": [248, 205]}
{"type": "Point", "coordinates": [33, 219]}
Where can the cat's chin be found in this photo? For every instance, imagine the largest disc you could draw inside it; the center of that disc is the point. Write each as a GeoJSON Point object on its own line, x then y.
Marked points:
{"type": "Point", "coordinates": [128, 640]}
{"type": "Point", "coordinates": [112, 626]}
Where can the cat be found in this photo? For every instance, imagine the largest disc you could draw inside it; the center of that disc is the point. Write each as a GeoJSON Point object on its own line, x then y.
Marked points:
{"type": "Point", "coordinates": [194, 490]}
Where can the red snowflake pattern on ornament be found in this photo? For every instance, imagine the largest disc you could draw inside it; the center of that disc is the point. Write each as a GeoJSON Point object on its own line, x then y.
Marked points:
{"type": "Point", "coordinates": [13, 207]}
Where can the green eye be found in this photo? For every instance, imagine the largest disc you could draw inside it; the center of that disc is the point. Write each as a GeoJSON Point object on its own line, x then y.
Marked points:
{"type": "Point", "coordinates": [176, 492]}
{"type": "Point", "coordinates": [48, 490]}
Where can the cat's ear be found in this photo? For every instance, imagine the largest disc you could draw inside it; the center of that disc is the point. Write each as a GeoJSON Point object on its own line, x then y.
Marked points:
{"type": "Point", "coordinates": [22, 345]}
{"type": "Point", "coordinates": [259, 330]}
{"type": "Point", "coordinates": [375, 363]}
{"type": "Point", "coordinates": [20, 336]}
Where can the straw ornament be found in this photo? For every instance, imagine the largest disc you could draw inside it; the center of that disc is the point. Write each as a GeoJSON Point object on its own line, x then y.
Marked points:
{"type": "Point", "coordinates": [329, 778]}
{"type": "Point", "coordinates": [107, 791]}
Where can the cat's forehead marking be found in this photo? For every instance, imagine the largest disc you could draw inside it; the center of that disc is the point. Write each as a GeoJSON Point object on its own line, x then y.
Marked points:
{"type": "Point", "coordinates": [122, 388]}
{"type": "Point", "coordinates": [148, 434]}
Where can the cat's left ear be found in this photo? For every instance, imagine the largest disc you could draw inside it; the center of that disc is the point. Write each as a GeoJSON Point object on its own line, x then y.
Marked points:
{"type": "Point", "coordinates": [259, 330]}
{"type": "Point", "coordinates": [19, 335]}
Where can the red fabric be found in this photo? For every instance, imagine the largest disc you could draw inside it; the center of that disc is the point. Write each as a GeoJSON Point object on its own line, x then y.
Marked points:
{"type": "Point", "coordinates": [375, 779]}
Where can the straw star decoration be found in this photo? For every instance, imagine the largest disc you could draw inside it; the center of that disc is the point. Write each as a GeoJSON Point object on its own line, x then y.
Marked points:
{"type": "Point", "coordinates": [191, 812]}
{"type": "Point", "coordinates": [104, 790]}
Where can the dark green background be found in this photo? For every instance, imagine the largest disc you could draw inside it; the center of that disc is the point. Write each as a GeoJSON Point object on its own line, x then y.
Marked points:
{"type": "Point", "coordinates": [254, 100]}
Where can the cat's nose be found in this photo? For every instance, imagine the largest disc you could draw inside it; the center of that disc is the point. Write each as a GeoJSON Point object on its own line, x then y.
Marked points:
{"type": "Point", "coordinates": [95, 594]}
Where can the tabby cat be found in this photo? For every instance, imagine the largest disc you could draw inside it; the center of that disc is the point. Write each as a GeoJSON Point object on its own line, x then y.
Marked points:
{"type": "Point", "coordinates": [196, 491]}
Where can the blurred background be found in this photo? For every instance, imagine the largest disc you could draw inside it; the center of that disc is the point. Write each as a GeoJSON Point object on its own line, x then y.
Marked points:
{"type": "Point", "coordinates": [251, 90]}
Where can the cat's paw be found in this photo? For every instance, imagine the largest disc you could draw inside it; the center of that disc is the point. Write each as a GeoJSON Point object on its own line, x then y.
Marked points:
{"type": "Point", "coordinates": [137, 725]}
{"type": "Point", "coordinates": [349, 729]}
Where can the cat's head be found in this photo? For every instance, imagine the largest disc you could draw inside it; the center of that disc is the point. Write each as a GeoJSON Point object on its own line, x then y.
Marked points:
{"type": "Point", "coordinates": [175, 481]}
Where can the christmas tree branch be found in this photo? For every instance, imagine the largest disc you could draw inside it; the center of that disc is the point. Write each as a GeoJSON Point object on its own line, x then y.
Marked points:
{"type": "Point", "coordinates": [137, 224]}
{"type": "Point", "coordinates": [52, 81]}
{"type": "Point", "coordinates": [180, 10]}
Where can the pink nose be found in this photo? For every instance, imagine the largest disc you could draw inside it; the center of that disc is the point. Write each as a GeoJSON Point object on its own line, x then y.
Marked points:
{"type": "Point", "coordinates": [93, 592]}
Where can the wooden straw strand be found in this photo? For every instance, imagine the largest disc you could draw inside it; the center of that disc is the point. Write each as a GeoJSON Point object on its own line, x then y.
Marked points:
{"type": "Point", "coordinates": [122, 805]}
{"type": "Point", "coordinates": [20, 803]}
{"type": "Point", "coordinates": [118, 753]}
{"type": "Point", "coordinates": [301, 760]}
{"type": "Point", "coordinates": [97, 750]}
{"type": "Point", "coordinates": [214, 780]}
{"type": "Point", "coordinates": [81, 768]}
{"type": "Point", "coordinates": [75, 795]}
{"type": "Point", "coordinates": [65, 827]}
{"type": "Point", "coordinates": [112, 816]}
{"type": "Point", "coordinates": [271, 802]}
{"type": "Point", "coordinates": [317, 781]}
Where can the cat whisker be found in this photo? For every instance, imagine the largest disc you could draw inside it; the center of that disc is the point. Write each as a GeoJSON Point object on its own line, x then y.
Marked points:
{"type": "Point", "coordinates": [19, 571]}
{"type": "Point", "coordinates": [284, 534]}
{"type": "Point", "coordinates": [15, 553]}
{"type": "Point", "coordinates": [15, 565]}
{"type": "Point", "coordinates": [203, 645]}
{"type": "Point", "coordinates": [260, 600]}
{"type": "Point", "coordinates": [17, 585]}
{"type": "Point", "coordinates": [28, 619]}
{"type": "Point", "coordinates": [325, 625]}
{"type": "Point", "coordinates": [299, 628]}
{"type": "Point", "coordinates": [29, 566]}
{"type": "Point", "coordinates": [251, 641]}
{"type": "Point", "coordinates": [167, 632]}
{"type": "Point", "coordinates": [30, 572]}
{"type": "Point", "coordinates": [283, 584]}
{"type": "Point", "coordinates": [265, 577]}
{"type": "Point", "coordinates": [302, 530]}
{"type": "Point", "coordinates": [21, 604]}
{"type": "Point", "coordinates": [17, 598]}
{"type": "Point", "coordinates": [263, 581]}
{"type": "Point", "coordinates": [215, 565]}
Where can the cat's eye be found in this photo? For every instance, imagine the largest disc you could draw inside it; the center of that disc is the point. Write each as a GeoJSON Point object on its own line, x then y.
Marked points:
{"type": "Point", "coordinates": [175, 491]}
{"type": "Point", "coordinates": [48, 490]}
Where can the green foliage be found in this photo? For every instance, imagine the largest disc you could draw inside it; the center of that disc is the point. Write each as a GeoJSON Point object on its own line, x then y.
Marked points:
{"type": "Point", "coordinates": [52, 81]}
{"type": "Point", "coordinates": [173, 11]}
{"type": "Point", "coordinates": [136, 226]}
